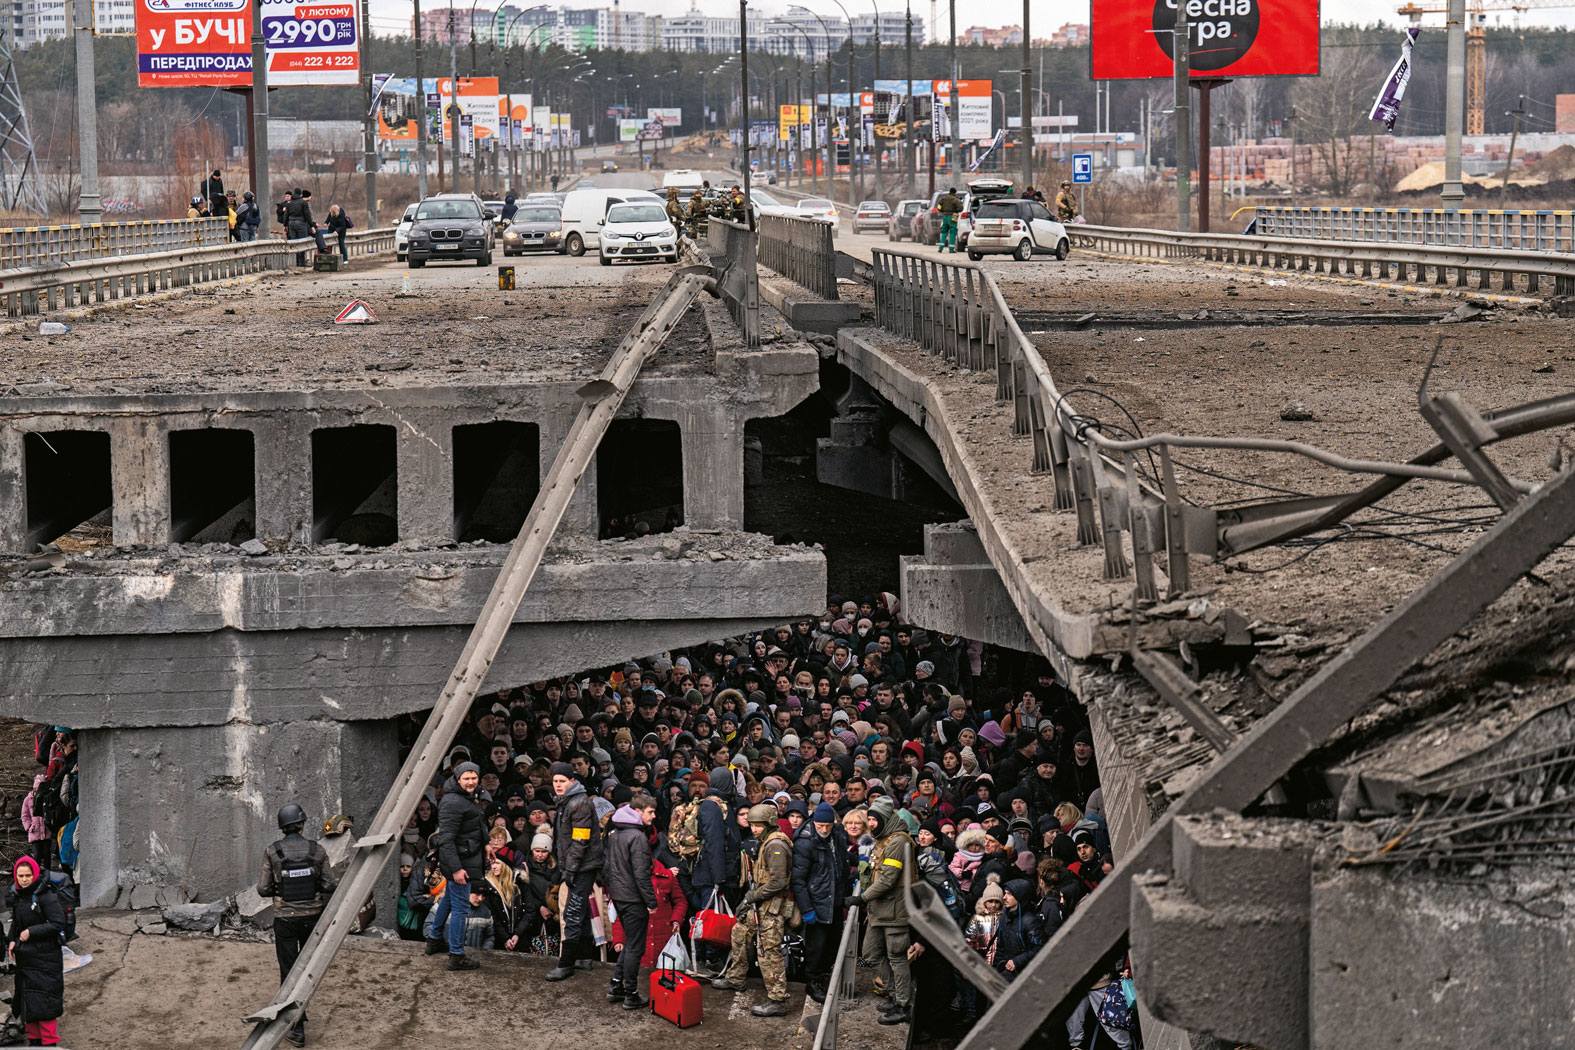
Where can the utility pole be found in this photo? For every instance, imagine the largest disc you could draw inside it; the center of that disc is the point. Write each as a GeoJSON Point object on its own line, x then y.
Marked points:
{"type": "Point", "coordinates": [453, 95]}
{"type": "Point", "coordinates": [875, 146]}
{"type": "Point", "coordinates": [370, 161]}
{"type": "Point", "coordinates": [1518, 112]}
{"type": "Point", "coordinates": [1026, 84]}
{"type": "Point", "coordinates": [743, 107]}
{"type": "Point", "coordinates": [424, 113]}
{"type": "Point", "coordinates": [951, 47]}
{"type": "Point", "coordinates": [260, 184]}
{"type": "Point", "coordinates": [87, 113]}
{"type": "Point", "coordinates": [1454, 105]}
{"type": "Point", "coordinates": [908, 109]}
{"type": "Point", "coordinates": [1181, 48]}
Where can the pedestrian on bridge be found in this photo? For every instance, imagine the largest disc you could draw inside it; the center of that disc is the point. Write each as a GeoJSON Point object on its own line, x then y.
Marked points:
{"type": "Point", "coordinates": [1065, 203]}
{"type": "Point", "coordinates": [577, 841]}
{"type": "Point", "coordinates": [247, 218]}
{"type": "Point", "coordinates": [296, 875]}
{"type": "Point", "coordinates": [338, 224]}
{"type": "Point", "coordinates": [950, 206]}
{"type": "Point", "coordinates": [462, 857]}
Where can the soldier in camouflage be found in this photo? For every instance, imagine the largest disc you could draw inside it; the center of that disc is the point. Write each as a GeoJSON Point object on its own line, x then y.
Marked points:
{"type": "Point", "coordinates": [884, 897]}
{"type": "Point", "coordinates": [767, 912]}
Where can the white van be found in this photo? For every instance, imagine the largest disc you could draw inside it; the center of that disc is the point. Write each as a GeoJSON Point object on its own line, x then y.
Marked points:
{"type": "Point", "coordinates": [583, 212]}
{"type": "Point", "coordinates": [686, 179]}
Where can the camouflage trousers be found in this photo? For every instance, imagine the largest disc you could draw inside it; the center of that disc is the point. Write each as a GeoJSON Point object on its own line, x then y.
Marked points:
{"type": "Point", "coordinates": [773, 968]}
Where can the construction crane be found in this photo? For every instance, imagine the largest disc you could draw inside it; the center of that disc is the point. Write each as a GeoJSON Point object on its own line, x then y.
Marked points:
{"type": "Point", "coordinates": [1476, 44]}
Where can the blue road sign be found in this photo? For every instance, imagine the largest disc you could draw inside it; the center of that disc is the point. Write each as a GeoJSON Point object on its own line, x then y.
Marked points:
{"type": "Point", "coordinates": [1082, 167]}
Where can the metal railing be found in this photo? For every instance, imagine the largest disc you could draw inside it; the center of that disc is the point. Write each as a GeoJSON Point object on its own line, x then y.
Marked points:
{"type": "Point", "coordinates": [800, 250]}
{"type": "Point", "coordinates": [26, 291]}
{"type": "Point", "coordinates": [843, 987]}
{"type": "Point", "coordinates": [1540, 231]}
{"type": "Point", "coordinates": [52, 245]}
{"type": "Point", "coordinates": [730, 249]}
{"type": "Point", "coordinates": [1518, 270]}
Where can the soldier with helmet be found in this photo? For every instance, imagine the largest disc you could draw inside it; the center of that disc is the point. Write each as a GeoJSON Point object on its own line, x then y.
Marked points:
{"type": "Point", "coordinates": [767, 912]}
{"type": "Point", "coordinates": [296, 875]}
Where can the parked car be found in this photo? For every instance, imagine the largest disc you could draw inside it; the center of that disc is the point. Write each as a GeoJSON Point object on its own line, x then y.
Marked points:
{"type": "Point", "coordinates": [686, 179]}
{"type": "Point", "coordinates": [402, 231]}
{"type": "Point", "coordinates": [1019, 228]}
{"type": "Point", "coordinates": [822, 209]}
{"type": "Point", "coordinates": [638, 230]}
{"type": "Point", "coordinates": [987, 187]}
{"type": "Point", "coordinates": [537, 227]}
{"type": "Point", "coordinates": [451, 226]}
{"type": "Point", "coordinates": [872, 214]}
{"type": "Point", "coordinates": [583, 212]}
{"type": "Point", "coordinates": [900, 226]}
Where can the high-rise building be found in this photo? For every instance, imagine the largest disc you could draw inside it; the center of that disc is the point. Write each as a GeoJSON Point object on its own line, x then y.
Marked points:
{"type": "Point", "coordinates": [35, 21]}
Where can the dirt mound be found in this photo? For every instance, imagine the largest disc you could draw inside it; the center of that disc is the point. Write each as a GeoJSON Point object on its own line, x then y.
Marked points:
{"type": "Point", "coordinates": [1557, 165]}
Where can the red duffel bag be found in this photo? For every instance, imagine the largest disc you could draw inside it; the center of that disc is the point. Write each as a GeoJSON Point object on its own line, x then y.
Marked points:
{"type": "Point", "coordinates": [714, 923]}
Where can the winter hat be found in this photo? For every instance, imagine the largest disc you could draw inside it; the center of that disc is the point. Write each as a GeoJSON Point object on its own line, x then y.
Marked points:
{"type": "Point", "coordinates": [956, 706]}
{"type": "Point", "coordinates": [840, 715]}
{"type": "Point", "coordinates": [599, 756]}
{"type": "Point", "coordinates": [999, 834]}
{"type": "Point", "coordinates": [722, 781]}
{"type": "Point", "coordinates": [541, 840]}
{"type": "Point", "coordinates": [790, 740]}
{"type": "Point", "coordinates": [924, 667]}
{"type": "Point", "coordinates": [624, 734]}
{"type": "Point", "coordinates": [992, 892]}
{"type": "Point", "coordinates": [824, 814]}
{"type": "Point", "coordinates": [621, 795]}
{"type": "Point", "coordinates": [1019, 888]}
{"type": "Point", "coordinates": [971, 840]}
{"type": "Point", "coordinates": [602, 806]}
{"type": "Point", "coordinates": [407, 860]}
{"type": "Point", "coordinates": [991, 731]}
{"type": "Point", "coordinates": [571, 714]}
{"type": "Point", "coordinates": [858, 680]}
{"type": "Point", "coordinates": [1027, 863]}
{"type": "Point", "coordinates": [466, 767]}
{"type": "Point", "coordinates": [699, 777]}
{"type": "Point", "coordinates": [798, 806]}
{"type": "Point", "coordinates": [560, 769]}
{"type": "Point", "coordinates": [1083, 835]}
{"type": "Point", "coordinates": [848, 740]}
{"type": "Point", "coordinates": [909, 821]}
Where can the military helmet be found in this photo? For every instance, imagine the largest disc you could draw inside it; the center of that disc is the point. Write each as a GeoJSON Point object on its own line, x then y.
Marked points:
{"type": "Point", "coordinates": [290, 815]}
{"type": "Point", "coordinates": [763, 814]}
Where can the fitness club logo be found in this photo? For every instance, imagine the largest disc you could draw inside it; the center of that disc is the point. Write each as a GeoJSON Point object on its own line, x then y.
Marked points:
{"type": "Point", "coordinates": [1222, 31]}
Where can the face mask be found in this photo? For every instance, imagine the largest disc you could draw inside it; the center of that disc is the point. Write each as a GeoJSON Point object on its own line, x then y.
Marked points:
{"type": "Point", "coordinates": [863, 631]}
{"type": "Point", "coordinates": [825, 624]}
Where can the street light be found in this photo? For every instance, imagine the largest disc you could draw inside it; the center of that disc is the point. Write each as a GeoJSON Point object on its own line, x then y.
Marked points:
{"type": "Point", "coordinates": [814, 139]}
{"type": "Point", "coordinates": [875, 147]}
{"type": "Point", "coordinates": [855, 115]}
{"type": "Point", "coordinates": [830, 160]}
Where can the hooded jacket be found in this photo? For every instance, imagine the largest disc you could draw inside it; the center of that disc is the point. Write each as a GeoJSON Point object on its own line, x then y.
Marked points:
{"type": "Point", "coordinates": [718, 861]}
{"type": "Point", "coordinates": [40, 974]}
{"type": "Point", "coordinates": [627, 871]}
{"type": "Point", "coordinates": [819, 872]}
{"type": "Point", "coordinates": [577, 838]}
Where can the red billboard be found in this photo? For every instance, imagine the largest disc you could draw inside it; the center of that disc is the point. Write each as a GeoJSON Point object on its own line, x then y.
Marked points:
{"type": "Point", "coordinates": [1131, 39]}
{"type": "Point", "coordinates": [192, 43]}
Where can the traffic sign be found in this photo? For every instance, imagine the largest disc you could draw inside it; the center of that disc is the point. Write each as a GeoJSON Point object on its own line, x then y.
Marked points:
{"type": "Point", "coordinates": [1082, 167]}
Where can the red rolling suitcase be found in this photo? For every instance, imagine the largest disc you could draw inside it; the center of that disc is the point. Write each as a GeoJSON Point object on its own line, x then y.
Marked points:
{"type": "Point", "coordinates": [676, 996]}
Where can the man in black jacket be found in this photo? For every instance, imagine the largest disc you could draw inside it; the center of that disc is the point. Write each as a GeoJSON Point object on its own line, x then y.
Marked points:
{"type": "Point", "coordinates": [577, 841]}
{"type": "Point", "coordinates": [462, 857]}
{"type": "Point", "coordinates": [628, 876]}
{"type": "Point", "coordinates": [820, 887]}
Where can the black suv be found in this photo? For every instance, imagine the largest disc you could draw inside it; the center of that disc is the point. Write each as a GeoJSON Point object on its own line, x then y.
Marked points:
{"type": "Point", "coordinates": [451, 226]}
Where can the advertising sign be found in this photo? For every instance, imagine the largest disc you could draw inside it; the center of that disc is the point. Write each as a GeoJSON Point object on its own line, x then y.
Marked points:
{"type": "Point", "coordinates": [467, 134]}
{"type": "Point", "coordinates": [309, 44]}
{"type": "Point", "coordinates": [629, 129]}
{"type": "Point", "coordinates": [207, 43]}
{"type": "Point", "coordinates": [669, 117]}
{"type": "Point", "coordinates": [399, 107]}
{"type": "Point", "coordinates": [788, 121]}
{"type": "Point", "coordinates": [194, 43]}
{"type": "Point", "coordinates": [974, 108]}
{"type": "Point", "coordinates": [890, 108]}
{"type": "Point", "coordinates": [1131, 39]}
{"type": "Point", "coordinates": [653, 131]}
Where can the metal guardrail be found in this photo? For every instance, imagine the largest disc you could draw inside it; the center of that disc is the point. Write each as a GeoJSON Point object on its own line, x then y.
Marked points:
{"type": "Point", "coordinates": [26, 291]}
{"type": "Point", "coordinates": [731, 251]}
{"type": "Point", "coordinates": [52, 245]}
{"type": "Point", "coordinates": [800, 250]}
{"type": "Point", "coordinates": [842, 989]}
{"type": "Point", "coordinates": [1541, 231]}
{"type": "Point", "coordinates": [1518, 270]}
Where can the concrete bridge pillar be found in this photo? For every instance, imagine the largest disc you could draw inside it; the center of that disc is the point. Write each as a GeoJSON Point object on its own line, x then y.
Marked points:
{"type": "Point", "coordinates": [175, 806]}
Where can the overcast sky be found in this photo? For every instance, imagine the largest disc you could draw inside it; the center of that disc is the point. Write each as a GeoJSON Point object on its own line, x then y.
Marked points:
{"type": "Point", "coordinates": [387, 15]}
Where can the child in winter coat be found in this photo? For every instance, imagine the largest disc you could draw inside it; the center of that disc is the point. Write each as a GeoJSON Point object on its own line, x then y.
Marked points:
{"type": "Point", "coordinates": [970, 851]}
{"type": "Point", "coordinates": [33, 822]}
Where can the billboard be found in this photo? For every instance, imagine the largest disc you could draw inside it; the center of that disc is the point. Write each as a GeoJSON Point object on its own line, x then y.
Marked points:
{"type": "Point", "coordinates": [207, 43]}
{"type": "Point", "coordinates": [974, 108]}
{"type": "Point", "coordinates": [1131, 39]}
{"type": "Point", "coordinates": [670, 117]}
{"type": "Point", "coordinates": [401, 105]}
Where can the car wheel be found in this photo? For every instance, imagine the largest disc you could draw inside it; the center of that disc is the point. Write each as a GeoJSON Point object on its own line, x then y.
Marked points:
{"type": "Point", "coordinates": [485, 260]}
{"type": "Point", "coordinates": [1025, 250]}
{"type": "Point", "coordinates": [400, 256]}
{"type": "Point", "coordinates": [604, 260]}
{"type": "Point", "coordinates": [975, 256]}
{"type": "Point", "coordinates": [416, 264]}
{"type": "Point", "coordinates": [1063, 249]}
{"type": "Point", "coordinates": [574, 245]}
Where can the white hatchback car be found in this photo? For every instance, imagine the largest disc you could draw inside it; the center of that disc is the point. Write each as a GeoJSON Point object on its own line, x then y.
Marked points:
{"type": "Point", "coordinates": [1019, 228]}
{"type": "Point", "coordinates": [638, 230]}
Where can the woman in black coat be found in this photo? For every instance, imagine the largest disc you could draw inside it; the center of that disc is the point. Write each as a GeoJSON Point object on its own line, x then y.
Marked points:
{"type": "Point", "coordinates": [37, 920]}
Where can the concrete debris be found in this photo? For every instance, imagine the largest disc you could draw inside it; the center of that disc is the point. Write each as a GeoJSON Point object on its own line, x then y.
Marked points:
{"type": "Point", "coordinates": [1298, 412]}
{"type": "Point", "coordinates": [198, 918]}
{"type": "Point", "coordinates": [143, 896]}
{"type": "Point", "coordinates": [253, 908]}
{"type": "Point", "coordinates": [1463, 312]}
{"type": "Point", "coordinates": [255, 547]}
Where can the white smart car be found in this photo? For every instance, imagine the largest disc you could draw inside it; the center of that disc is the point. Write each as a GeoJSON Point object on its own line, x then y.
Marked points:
{"type": "Point", "coordinates": [1019, 228]}
{"type": "Point", "coordinates": [638, 230]}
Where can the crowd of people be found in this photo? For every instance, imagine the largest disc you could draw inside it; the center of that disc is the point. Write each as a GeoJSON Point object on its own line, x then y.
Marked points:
{"type": "Point", "coordinates": [794, 781]}
{"type": "Point", "coordinates": [293, 214]}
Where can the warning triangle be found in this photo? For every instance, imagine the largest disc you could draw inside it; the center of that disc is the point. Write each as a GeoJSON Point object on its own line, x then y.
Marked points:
{"type": "Point", "coordinates": [357, 312]}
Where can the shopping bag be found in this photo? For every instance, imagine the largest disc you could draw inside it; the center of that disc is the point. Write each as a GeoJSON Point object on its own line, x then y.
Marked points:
{"type": "Point", "coordinates": [714, 923]}
{"type": "Point", "coordinates": [674, 955]}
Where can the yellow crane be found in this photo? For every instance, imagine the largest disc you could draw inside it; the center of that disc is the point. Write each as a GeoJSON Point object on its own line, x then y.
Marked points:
{"type": "Point", "coordinates": [1476, 44]}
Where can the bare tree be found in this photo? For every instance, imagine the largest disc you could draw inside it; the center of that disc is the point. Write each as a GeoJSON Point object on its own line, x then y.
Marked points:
{"type": "Point", "coordinates": [1332, 107]}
